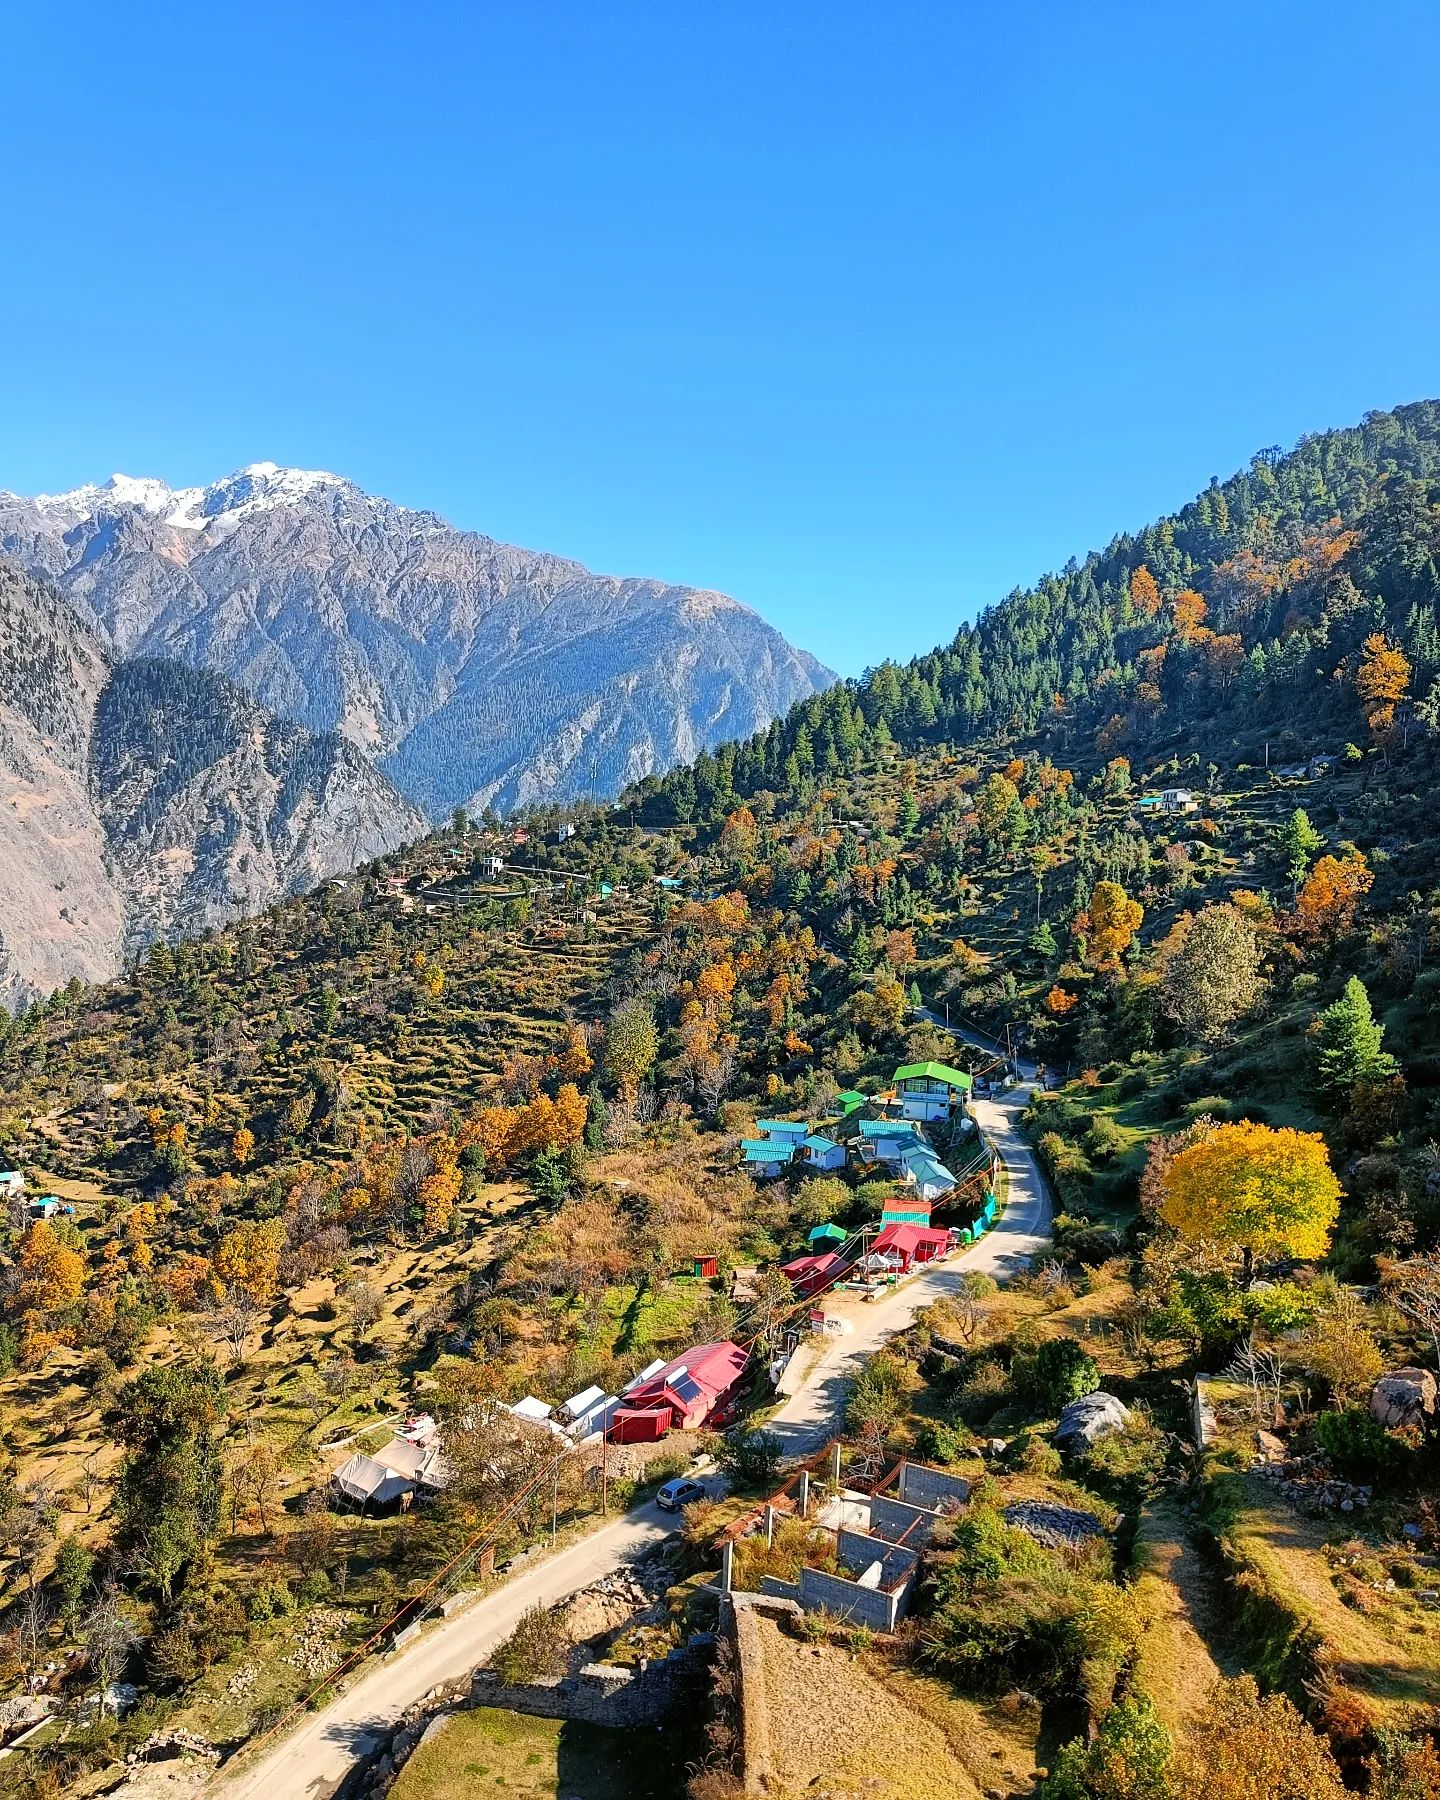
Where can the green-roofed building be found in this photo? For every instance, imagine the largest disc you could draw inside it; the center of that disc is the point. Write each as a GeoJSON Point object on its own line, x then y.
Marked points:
{"type": "Point", "coordinates": [850, 1101]}
{"type": "Point", "coordinates": [931, 1090]}
{"type": "Point", "coordinates": [824, 1236]}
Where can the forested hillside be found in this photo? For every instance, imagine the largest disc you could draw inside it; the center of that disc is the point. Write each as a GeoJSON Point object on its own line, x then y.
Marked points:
{"type": "Point", "coordinates": [1226, 622]}
{"type": "Point", "coordinates": [471, 1126]}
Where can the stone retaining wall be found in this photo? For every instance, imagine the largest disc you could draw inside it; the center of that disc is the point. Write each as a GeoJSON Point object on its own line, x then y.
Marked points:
{"type": "Point", "coordinates": [598, 1693]}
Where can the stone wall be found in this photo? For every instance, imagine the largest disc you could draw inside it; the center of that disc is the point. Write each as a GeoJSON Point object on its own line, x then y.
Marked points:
{"type": "Point", "coordinates": [847, 1600]}
{"type": "Point", "coordinates": [599, 1693]}
{"type": "Point", "coordinates": [896, 1519]}
{"type": "Point", "coordinates": [857, 1551]}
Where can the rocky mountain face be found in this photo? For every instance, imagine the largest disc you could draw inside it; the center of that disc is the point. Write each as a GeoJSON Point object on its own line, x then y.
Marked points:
{"type": "Point", "coordinates": [144, 800]}
{"type": "Point", "coordinates": [475, 673]}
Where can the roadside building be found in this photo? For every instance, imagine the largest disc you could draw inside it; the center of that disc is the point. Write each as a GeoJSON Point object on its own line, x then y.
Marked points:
{"type": "Point", "coordinates": [696, 1389]}
{"type": "Point", "coordinates": [931, 1090]}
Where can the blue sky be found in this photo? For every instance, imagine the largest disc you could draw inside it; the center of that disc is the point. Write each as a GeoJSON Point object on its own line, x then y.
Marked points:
{"type": "Point", "coordinates": [862, 312]}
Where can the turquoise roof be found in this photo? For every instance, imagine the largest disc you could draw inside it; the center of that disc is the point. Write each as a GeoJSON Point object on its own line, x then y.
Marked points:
{"type": "Point", "coordinates": [827, 1234]}
{"type": "Point", "coordinates": [819, 1145]}
{"type": "Point", "coordinates": [764, 1150]}
{"type": "Point", "coordinates": [783, 1127]}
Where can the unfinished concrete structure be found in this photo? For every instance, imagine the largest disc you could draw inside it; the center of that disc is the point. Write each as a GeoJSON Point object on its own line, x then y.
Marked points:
{"type": "Point", "coordinates": [878, 1540]}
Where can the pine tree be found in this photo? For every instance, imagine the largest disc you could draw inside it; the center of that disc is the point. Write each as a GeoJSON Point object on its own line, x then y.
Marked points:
{"type": "Point", "coordinates": [1348, 1045]}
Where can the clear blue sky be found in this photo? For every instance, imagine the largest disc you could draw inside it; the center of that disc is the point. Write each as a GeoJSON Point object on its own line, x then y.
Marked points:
{"type": "Point", "coordinates": [863, 312]}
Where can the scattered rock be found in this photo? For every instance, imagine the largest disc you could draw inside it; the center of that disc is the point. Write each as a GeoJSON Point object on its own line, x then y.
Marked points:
{"type": "Point", "coordinates": [1404, 1397]}
{"type": "Point", "coordinates": [1091, 1417]}
{"type": "Point", "coordinates": [1056, 1527]}
{"type": "Point", "coordinates": [1269, 1446]}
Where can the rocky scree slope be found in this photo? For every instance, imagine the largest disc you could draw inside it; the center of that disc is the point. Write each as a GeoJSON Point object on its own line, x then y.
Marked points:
{"type": "Point", "coordinates": [474, 672]}
{"type": "Point", "coordinates": [146, 800]}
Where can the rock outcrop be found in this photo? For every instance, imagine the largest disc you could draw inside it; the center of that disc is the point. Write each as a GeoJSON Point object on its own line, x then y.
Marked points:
{"type": "Point", "coordinates": [1088, 1418]}
{"type": "Point", "coordinates": [141, 801]}
{"type": "Point", "coordinates": [1405, 1397]}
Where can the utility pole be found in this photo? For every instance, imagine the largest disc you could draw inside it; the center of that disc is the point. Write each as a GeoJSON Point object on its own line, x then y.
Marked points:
{"type": "Point", "coordinates": [554, 1504]}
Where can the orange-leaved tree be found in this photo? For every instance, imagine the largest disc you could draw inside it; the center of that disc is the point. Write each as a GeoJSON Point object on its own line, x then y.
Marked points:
{"type": "Point", "coordinates": [1114, 920]}
{"type": "Point", "coordinates": [1144, 593]}
{"type": "Point", "coordinates": [1382, 680]}
{"type": "Point", "coordinates": [1258, 1190]}
{"type": "Point", "coordinates": [1333, 890]}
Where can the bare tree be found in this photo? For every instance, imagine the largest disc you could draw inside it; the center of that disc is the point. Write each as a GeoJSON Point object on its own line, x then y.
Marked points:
{"type": "Point", "coordinates": [1413, 1288]}
{"type": "Point", "coordinates": [108, 1633]}
{"type": "Point", "coordinates": [232, 1322]}
{"type": "Point", "coordinates": [1260, 1371]}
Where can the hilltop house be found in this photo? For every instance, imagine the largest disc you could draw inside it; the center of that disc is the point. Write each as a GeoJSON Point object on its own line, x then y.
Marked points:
{"type": "Point", "coordinates": [698, 1388]}
{"type": "Point", "coordinates": [392, 1474]}
{"type": "Point", "coordinates": [1178, 800]}
{"type": "Point", "coordinates": [820, 1152]}
{"type": "Point", "coordinates": [12, 1184]}
{"type": "Point", "coordinates": [931, 1090]}
{"type": "Point", "coordinates": [885, 1140]}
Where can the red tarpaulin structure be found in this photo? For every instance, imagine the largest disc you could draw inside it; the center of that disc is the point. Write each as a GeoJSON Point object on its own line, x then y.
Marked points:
{"type": "Point", "coordinates": [696, 1389]}
{"type": "Point", "coordinates": [808, 1274]}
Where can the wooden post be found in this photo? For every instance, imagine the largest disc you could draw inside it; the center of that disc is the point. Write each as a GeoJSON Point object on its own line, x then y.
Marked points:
{"type": "Point", "coordinates": [804, 1493]}
{"type": "Point", "coordinates": [769, 1525]}
{"type": "Point", "coordinates": [835, 1464]}
{"type": "Point", "coordinates": [727, 1566]}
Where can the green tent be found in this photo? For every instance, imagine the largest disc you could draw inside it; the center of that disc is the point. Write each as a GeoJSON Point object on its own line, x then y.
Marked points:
{"type": "Point", "coordinates": [828, 1234]}
{"type": "Point", "coordinates": [850, 1101]}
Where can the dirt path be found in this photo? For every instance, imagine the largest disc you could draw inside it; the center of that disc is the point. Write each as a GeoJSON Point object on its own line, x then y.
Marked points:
{"type": "Point", "coordinates": [1181, 1653]}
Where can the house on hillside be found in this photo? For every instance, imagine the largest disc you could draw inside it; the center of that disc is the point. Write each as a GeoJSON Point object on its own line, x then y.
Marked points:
{"type": "Point", "coordinates": [696, 1389]}
{"type": "Point", "coordinates": [925, 1172]}
{"type": "Point", "coordinates": [12, 1184]}
{"type": "Point", "coordinates": [931, 1090]}
{"type": "Point", "coordinates": [885, 1140]}
{"type": "Point", "coordinates": [813, 1274]}
{"type": "Point", "coordinates": [1178, 800]}
{"type": "Point", "coordinates": [775, 1147]}
{"type": "Point", "coordinates": [820, 1152]}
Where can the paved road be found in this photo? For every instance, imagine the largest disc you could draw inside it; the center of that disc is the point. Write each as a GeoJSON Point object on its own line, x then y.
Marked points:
{"type": "Point", "coordinates": [805, 1422]}
{"type": "Point", "coordinates": [313, 1760]}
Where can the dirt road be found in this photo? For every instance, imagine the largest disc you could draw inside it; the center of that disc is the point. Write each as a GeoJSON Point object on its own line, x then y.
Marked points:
{"type": "Point", "coordinates": [312, 1760]}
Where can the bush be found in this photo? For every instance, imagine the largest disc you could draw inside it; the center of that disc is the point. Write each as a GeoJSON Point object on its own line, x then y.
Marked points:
{"type": "Point", "coordinates": [1213, 1106]}
{"type": "Point", "coordinates": [1356, 1442]}
{"type": "Point", "coordinates": [1129, 1759]}
{"type": "Point", "coordinates": [1105, 1139]}
{"type": "Point", "coordinates": [538, 1646]}
{"type": "Point", "coordinates": [941, 1443]}
{"type": "Point", "coordinates": [1284, 1307]}
{"type": "Point", "coordinates": [1035, 1457]}
{"type": "Point", "coordinates": [751, 1458]}
{"type": "Point", "coordinates": [1056, 1373]}
{"type": "Point", "coordinates": [983, 1390]}
{"type": "Point", "coordinates": [270, 1600]}
{"type": "Point", "coordinates": [1132, 1456]}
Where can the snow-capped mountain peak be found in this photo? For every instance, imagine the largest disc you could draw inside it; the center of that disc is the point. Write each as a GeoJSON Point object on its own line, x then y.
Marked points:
{"type": "Point", "coordinates": [255, 488]}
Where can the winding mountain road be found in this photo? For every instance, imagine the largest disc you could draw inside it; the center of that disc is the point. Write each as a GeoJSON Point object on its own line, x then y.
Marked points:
{"type": "Point", "coordinates": [313, 1761]}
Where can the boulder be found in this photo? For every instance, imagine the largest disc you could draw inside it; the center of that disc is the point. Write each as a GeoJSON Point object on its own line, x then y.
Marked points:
{"type": "Point", "coordinates": [1270, 1447]}
{"type": "Point", "coordinates": [1404, 1397]}
{"type": "Point", "coordinates": [1088, 1418]}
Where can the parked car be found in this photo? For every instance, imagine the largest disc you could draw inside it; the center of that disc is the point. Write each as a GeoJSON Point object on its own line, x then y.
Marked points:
{"type": "Point", "coordinates": [679, 1493]}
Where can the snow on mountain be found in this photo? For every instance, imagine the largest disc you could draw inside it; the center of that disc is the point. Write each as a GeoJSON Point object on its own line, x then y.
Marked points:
{"type": "Point", "coordinates": [475, 672]}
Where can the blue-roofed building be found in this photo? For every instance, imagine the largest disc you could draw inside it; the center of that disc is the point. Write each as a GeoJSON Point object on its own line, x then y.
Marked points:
{"type": "Point", "coordinates": [885, 1140]}
{"type": "Point", "coordinates": [931, 1178]}
{"type": "Point", "coordinates": [765, 1157]}
{"type": "Point", "coordinates": [783, 1128]}
{"type": "Point", "coordinates": [819, 1152]}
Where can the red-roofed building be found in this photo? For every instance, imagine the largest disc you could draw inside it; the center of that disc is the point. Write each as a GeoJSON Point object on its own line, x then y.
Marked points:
{"type": "Point", "coordinates": [809, 1274]}
{"type": "Point", "coordinates": [696, 1389]}
{"type": "Point", "coordinates": [911, 1243]}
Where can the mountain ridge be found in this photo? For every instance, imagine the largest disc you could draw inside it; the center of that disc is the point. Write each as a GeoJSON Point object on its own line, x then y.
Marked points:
{"type": "Point", "coordinates": [474, 671]}
{"type": "Point", "coordinates": [143, 801]}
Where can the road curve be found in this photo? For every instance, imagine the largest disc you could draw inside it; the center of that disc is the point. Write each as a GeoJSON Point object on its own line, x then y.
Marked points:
{"type": "Point", "coordinates": [311, 1762]}
{"type": "Point", "coordinates": [810, 1418]}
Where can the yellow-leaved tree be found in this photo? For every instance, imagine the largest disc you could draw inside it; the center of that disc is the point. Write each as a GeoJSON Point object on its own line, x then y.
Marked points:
{"type": "Point", "coordinates": [1255, 1189]}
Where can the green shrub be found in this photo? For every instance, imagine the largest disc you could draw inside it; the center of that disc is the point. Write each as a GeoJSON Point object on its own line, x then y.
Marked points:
{"type": "Point", "coordinates": [1105, 1139]}
{"type": "Point", "coordinates": [1129, 1759]}
{"type": "Point", "coordinates": [269, 1600]}
{"type": "Point", "coordinates": [982, 1391]}
{"type": "Point", "coordinates": [941, 1443]}
{"type": "Point", "coordinates": [1213, 1106]}
{"type": "Point", "coordinates": [538, 1646]}
{"type": "Point", "coordinates": [1356, 1442]}
{"type": "Point", "coordinates": [751, 1458]}
{"type": "Point", "coordinates": [1285, 1306]}
{"type": "Point", "coordinates": [1055, 1373]}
